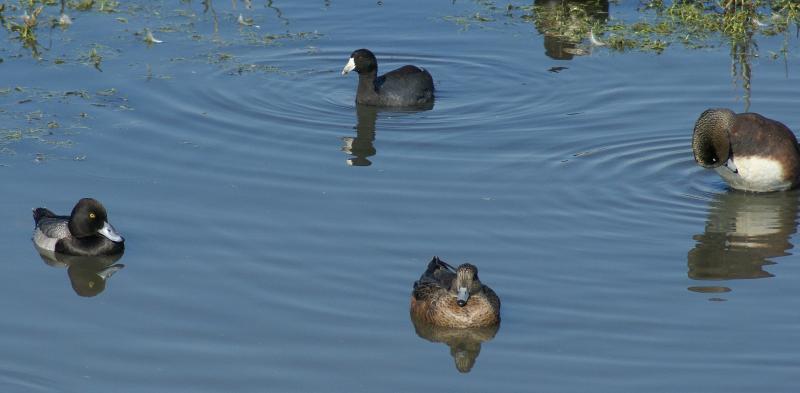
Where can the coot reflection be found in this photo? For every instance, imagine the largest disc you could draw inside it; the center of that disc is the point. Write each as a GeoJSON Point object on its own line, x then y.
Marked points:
{"type": "Point", "coordinates": [362, 146]}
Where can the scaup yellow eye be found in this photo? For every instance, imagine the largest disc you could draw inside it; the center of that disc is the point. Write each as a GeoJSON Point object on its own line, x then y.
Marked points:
{"type": "Point", "coordinates": [92, 216]}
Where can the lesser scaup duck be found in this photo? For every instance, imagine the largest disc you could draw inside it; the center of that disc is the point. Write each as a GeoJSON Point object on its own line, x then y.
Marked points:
{"type": "Point", "coordinates": [456, 298]}
{"type": "Point", "coordinates": [406, 86]}
{"type": "Point", "coordinates": [85, 232]}
{"type": "Point", "coordinates": [749, 151]}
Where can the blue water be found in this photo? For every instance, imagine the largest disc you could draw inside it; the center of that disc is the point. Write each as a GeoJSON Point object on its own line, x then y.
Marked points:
{"type": "Point", "coordinates": [263, 254]}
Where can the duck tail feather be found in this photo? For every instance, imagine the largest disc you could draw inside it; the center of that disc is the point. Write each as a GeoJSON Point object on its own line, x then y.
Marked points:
{"type": "Point", "coordinates": [41, 212]}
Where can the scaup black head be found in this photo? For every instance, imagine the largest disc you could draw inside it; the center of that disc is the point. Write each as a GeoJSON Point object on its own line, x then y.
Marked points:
{"type": "Point", "coordinates": [711, 143]}
{"type": "Point", "coordinates": [89, 218]}
{"type": "Point", "coordinates": [466, 283]}
{"type": "Point", "coordinates": [361, 60]}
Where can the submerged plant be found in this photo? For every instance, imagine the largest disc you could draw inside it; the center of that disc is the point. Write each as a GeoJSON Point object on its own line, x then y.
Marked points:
{"type": "Point", "coordinates": [64, 20]}
{"type": "Point", "coordinates": [149, 39]}
{"type": "Point", "coordinates": [26, 29]}
{"type": "Point", "coordinates": [95, 59]}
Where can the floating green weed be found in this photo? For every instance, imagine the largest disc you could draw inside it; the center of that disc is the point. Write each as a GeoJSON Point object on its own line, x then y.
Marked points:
{"type": "Point", "coordinates": [25, 28]}
{"type": "Point", "coordinates": [21, 122]}
{"type": "Point", "coordinates": [693, 23]}
{"type": "Point", "coordinates": [95, 59]}
{"type": "Point", "coordinates": [573, 27]}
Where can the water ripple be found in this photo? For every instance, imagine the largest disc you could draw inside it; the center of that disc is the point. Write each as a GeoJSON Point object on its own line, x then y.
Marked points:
{"type": "Point", "coordinates": [652, 174]}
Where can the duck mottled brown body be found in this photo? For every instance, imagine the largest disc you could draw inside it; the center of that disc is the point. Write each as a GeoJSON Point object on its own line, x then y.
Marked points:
{"type": "Point", "coordinates": [454, 298]}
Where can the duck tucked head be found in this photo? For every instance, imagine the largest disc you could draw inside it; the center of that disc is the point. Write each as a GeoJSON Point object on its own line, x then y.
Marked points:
{"type": "Point", "coordinates": [466, 283]}
{"type": "Point", "coordinates": [361, 60]}
{"type": "Point", "coordinates": [88, 218]}
{"type": "Point", "coordinates": [711, 138]}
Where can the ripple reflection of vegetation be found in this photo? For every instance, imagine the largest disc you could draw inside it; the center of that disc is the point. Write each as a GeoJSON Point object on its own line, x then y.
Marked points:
{"type": "Point", "coordinates": [573, 28]}
{"type": "Point", "coordinates": [659, 24]}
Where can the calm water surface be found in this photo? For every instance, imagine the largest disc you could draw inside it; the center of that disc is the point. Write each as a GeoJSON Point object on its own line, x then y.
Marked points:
{"type": "Point", "coordinates": [274, 229]}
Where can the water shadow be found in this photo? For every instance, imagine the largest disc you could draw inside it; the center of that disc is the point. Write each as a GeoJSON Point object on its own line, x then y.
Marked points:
{"type": "Point", "coordinates": [465, 344]}
{"type": "Point", "coordinates": [87, 275]}
{"type": "Point", "coordinates": [565, 24]}
{"type": "Point", "coordinates": [743, 232]}
{"type": "Point", "coordinates": [362, 146]}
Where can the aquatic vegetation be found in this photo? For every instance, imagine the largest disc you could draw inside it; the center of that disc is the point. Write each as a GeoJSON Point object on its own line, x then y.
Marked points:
{"type": "Point", "coordinates": [64, 20]}
{"type": "Point", "coordinates": [100, 5]}
{"type": "Point", "coordinates": [253, 37]}
{"type": "Point", "coordinates": [656, 24]}
{"type": "Point", "coordinates": [28, 115]}
{"type": "Point", "coordinates": [94, 58]}
{"type": "Point", "coordinates": [149, 39]}
{"type": "Point", "coordinates": [468, 21]}
{"type": "Point", "coordinates": [246, 21]}
{"type": "Point", "coordinates": [573, 28]}
{"type": "Point", "coordinates": [239, 68]}
{"type": "Point", "coordinates": [693, 22]}
{"type": "Point", "coordinates": [23, 20]}
{"type": "Point", "coordinates": [25, 28]}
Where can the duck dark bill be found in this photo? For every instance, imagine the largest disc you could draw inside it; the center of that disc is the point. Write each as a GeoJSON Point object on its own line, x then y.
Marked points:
{"type": "Point", "coordinates": [110, 233]}
{"type": "Point", "coordinates": [462, 297]}
{"type": "Point", "coordinates": [350, 66]}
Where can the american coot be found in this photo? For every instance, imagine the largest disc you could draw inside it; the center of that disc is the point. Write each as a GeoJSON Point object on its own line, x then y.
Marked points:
{"type": "Point", "coordinates": [749, 151]}
{"type": "Point", "coordinates": [454, 298]}
{"type": "Point", "coordinates": [86, 232]}
{"type": "Point", "coordinates": [406, 86]}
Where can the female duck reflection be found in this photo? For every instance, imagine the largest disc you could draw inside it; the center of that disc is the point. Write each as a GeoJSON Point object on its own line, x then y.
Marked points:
{"type": "Point", "coordinates": [465, 344]}
{"type": "Point", "coordinates": [361, 147]}
{"type": "Point", "coordinates": [742, 233]}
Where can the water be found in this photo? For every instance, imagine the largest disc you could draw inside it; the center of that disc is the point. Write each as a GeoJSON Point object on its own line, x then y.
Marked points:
{"type": "Point", "coordinates": [274, 229]}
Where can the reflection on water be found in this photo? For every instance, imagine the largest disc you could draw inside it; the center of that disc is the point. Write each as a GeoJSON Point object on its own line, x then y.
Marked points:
{"type": "Point", "coordinates": [741, 53]}
{"type": "Point", "coordinates": [465, 344]}
{"type": "Point", "coordinates": [87, 275]}
{"type": "Point", "coordinates": [361, 147]}
{"type": "Point", "coordinates": [743, 232]}
{"type": "Point", "coordinates": [564, 24]}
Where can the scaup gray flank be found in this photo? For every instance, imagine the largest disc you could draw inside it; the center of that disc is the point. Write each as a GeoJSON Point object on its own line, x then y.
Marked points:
{"type": "Point", "coordinates": [406, 86]}
{"type": "Point", "coordinates": [454, 298]}
{"type": "Point", "coordinates": [85, 232]}
{"type": "Point", "coordinates": [49, 228]}
{"type": "Point", "coordinates": [43, 241]}
{"type": "Point", "coordinates": [749, 151]}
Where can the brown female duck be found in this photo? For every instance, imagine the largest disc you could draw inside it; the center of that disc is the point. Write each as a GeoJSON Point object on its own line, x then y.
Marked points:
{"type": "Point", "coordinates": [456, 298]}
